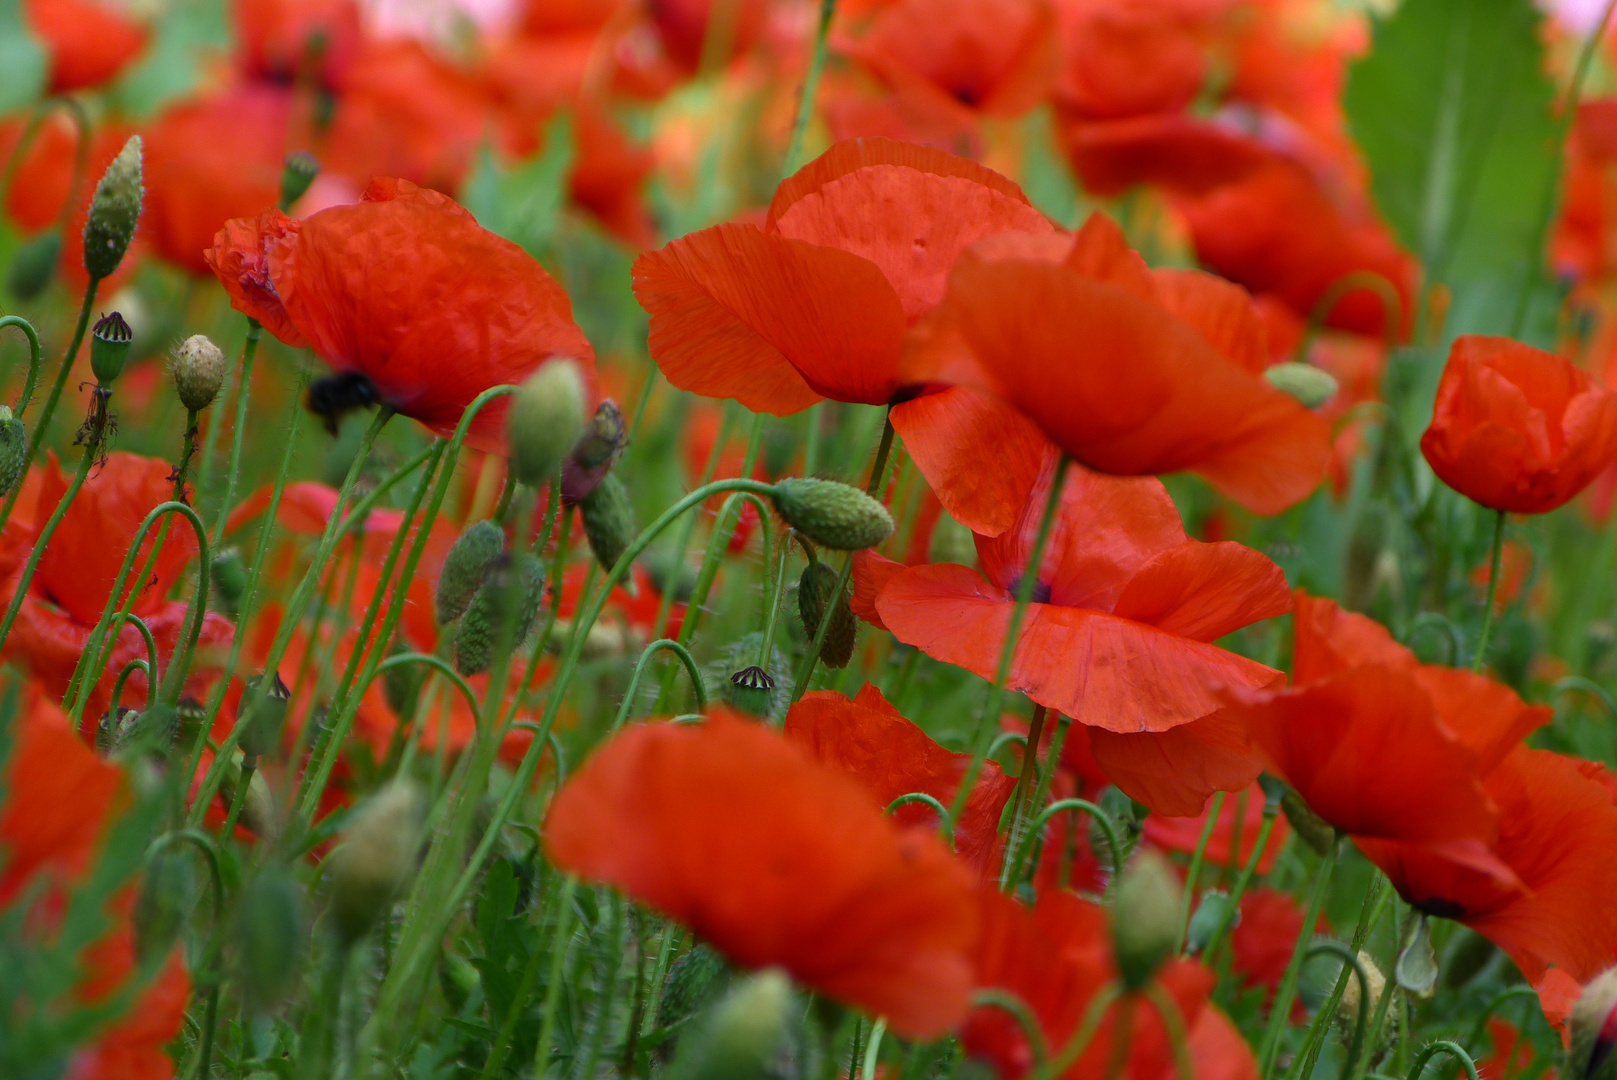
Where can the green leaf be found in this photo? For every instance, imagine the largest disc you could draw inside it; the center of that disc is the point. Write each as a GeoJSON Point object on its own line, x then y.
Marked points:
{"type": "Point", "coordinates": [523, 203]}
{"type": "Point", "coordinates": [23, 63]}
{"type": "Point", "coordinates": [1455, 117]}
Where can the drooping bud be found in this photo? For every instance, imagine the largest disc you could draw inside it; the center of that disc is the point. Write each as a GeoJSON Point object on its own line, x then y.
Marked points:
{"type": "Point", "coordinates": [502, 610]}
{"type": "Point", "coordinates": [198, 368]}
{"type": "Point", "coordinates": [377, 854]}
{"type": "Point", "coordinates": [114, 212]}
{"type": "Point", "coordinates": [296, 175]}
{"type": "Point", "coordinates": [832, 515]}
{"type": "Point", "coordinates": [1593, 1030]}
{"type": "Point", "coordinates": [13, 450]}
{"type": "Point", "coordinates": [1347, 1006]}
{"type": "Point", "coordinates": [1145, 918]}
{"type": "Point", "coordinates": [268, 937]}
{"type": "Point", "coordinates": [465, 567]}
{"type": "Point", "coordinates": [546, 419]}
{"type": "Point", "coordinates": [229, 579]}
{"type": "Point", "coordinates": [814, 589]}
{"type": "Point", "coordinates": [741, 1036]}
{"type": "Point", "coordinates": [34, 264]}
{"type": "Point", "coordinates": [110, 339]}
{"type": "Point", "coordinates": [167, 893]}
{"type": "Point", "coordinates": [597, 450]}
{"type": "Point", "coordinates": [608, 520]}
{"type": "Point", "coordinates": [1213, 911]}
{"type": "Point", "coordinates": [1305, 382]}
{"type": "Point", "coordinates": [749, 690]}
{"type": "Point", "coordinates": [1315, 831]}
{"type": "Point", "coordinates": [261, 733]}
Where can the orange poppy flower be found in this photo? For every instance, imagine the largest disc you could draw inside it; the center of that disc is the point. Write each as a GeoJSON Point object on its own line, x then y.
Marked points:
{"type": "Point", "coordinates": [870, 740]}
{"type": "Point", "coordinates": [1516, 428]}
{"type": "Point", "coordinates": [77, 571]}
{"type": "Point", "coordinates": [462, 310]}
{"type": "Point", "coordinates": [211, 160]}
{"type": "Point", "coordinates": [1169, 378]}
{"type": "Point", "coordinates": [89, 43]}
{"type": "Point", "coordinates": [281, 39]}
{"type": "Point", "coordinates": [1130, 59]}
{"type": "Point", "coordinates": [776, 860]}
{"type": "Point", "coordinates": [1127, 591]}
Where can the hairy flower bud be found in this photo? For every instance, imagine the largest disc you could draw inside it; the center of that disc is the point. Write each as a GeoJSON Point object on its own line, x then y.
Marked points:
{"type": "Point", "coordinates": [608, 520]}
{"type": "Point", "coordinates": [267, 939]}
{"type": "Point", "coordinates": [13, 450]}
{"type": "Point", "coordinates": [198, 368]}
{"type": "Point", "coordinates": [814, 590]}
{"type": "Point", "coordinates": [597, 449]}
{"type": "Point", "coordinates": [740, 1037]}
{"type": "Point", "coordinates": [546, 419]}
{"type": "Point", "coordinates": [167, 893]}
{"type": "Point", "coordinates": [296, 175]}
{"type": "Point", "coordinates": [465, 567]}
{"type": "Point", "coordinates": [264, 725]}
{"type": "Point", "coordinates": [34, 264]}
{"type": "Point", "coordinates": [694, 980]}
{"type": "Point", "coordinates": [114, 212]}
{"type": "Point", "coordinates": [503, 609]}
{"type": "Point", "coordinates": [110, 339]}
{"type": "Point", "coordinates": [229, 580]}
{"type": "Point", "coordinates": [1593, 1030]}
{"type": "Point", "coordinates": [1347, 1006]}
{"type": "Point", "coordinates": [1145, 918]}
{"type": "Point", "coordinates": [832, 515]}
{"type": "Point", "coordinates": [378, 853]}
{"type": "Point", "coordinates": [1305, 382]}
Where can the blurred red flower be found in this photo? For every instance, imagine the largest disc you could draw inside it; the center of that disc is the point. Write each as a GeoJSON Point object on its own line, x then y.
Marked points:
{"type": "Point", "coordinates": [90, 43]}
{"type": "Point", "coordinates": [279, 40]}
{"type": "Point", "coordinates": [1234, 837]}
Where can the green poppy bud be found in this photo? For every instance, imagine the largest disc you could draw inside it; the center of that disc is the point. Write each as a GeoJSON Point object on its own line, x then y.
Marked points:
{"type": "Point", "coordinates": [261, 733]}
{"type": "Point", "coordinates": [167, 894]}
{"type": "Point", "coordinates": [296, 175]}
{"type": "Point", "coordinates": [378, 853]}
{"type": "Point", "coordinates": [110, 339]}
{"type": "Point", "coordinates": [401, 683]}
{"type": "Point", "coordinates": [1347, 1006]}
{"type": "Point", "coordinates": [1315, 831]}
{"type": "Point", "coordinates": [546, 420]}
{"type": "Point", "coordinates": [229, 580]}
{"type": "Point", "coordinates": [1211, 913]}
{"type": "Point", "coordinates": [832, 515]}
{"type": "Point", "coordinates": [13, 450]}
{"type": "Point", "coordinates": [741, 1036]}
{"type": "Point", "coordinates": [1145, 918]}
{"type": "Point", "coordinates": [694, 980]}
{"type": "Point", "coordinates": [503, 609]}
{"type": "Point", "coordinates": [34, 264]}
{"type": "Point", "coordinates": [465, 567]}
{"type": "Point", "coordinates": [749, 690]}
{"type": "Point", "coordinates": [602, 443]}
{"type": "Point", "coordinates": [1305, 382]}
{"type": "Point", "coordinates": [1593, 1030]}
{"type": "Point", "coordinates": [114, 212]}
{"type": "Point", "coordinates": [814, 590]}
{"type": "Point", "coordinates": [268, 938]}
{"type": "Point", "coordinates": [608, 520]}
{"type": "Point", "coordinates": [198, 368]}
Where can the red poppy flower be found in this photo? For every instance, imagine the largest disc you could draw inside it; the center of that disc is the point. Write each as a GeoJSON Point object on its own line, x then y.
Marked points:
{"type": "Point", "coordinates": [1130, 59]}
{"type": "Point", "coordinates": [462, 310]}
{"type": "Point", "coordinates": [1124, 589]}
{"type": "Point", "coordinates": [1170, 377]}
{"type": "Point", "coordinates": [282, 39]}
{"type": "Point", "coordinates": [89, 43]}
{"type": "Point", "coordinates": [1234, 837]}
{"type": "Point", "coordinates": [76, 574]}
{"type": "Point", "coordinates": [1516, 428]}
{"type": "Point", "coordinates": [776, 860]}
{"type": "Point", "coordinates": [1262, 942]}
{"type": "Point", "coordinates": [211, 160]}
{"type": "Point", "coordinates": [871, 741]}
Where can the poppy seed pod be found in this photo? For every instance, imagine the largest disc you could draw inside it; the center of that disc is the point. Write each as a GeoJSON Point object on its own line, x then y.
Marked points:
{"type": "Point", "coordinates": [831, 514]}
{"type": "Point", "coordinates": [110, 339]}
{"type": "Point", "coordinates": [377, 855]}
{"type": "Point", "coordinates": [598, 448]}
{"type": "Point", "coordinates": [1305, 382]}
{"type": "Point", "coordinates": [34, 264]}
{"type": "Point", "coordinates": [814, 590]}
{"type": "Point", "coordinates": [264, 724]}
{"type": "Point", "coordinates": [506, 604]}
{"type": "Point", "coordinates": [1593, 1030]}
{"type": "Point", "coordinates": [1145, 918]}
{"type": "Point", "coordinates": [546, 419]}
{"type": "Point", "coordinates": [197, 367]}
{"type": "Point", "coordinates": [296, 175]}
{"type": "Point", "coordinates": [608, 520]}
{"type": "Point", "coordinates": [465, 567]}
{"type": "Point", "coordinates": [13, 450]}
{"type": "Point", "coordinates": [739, 1038]}
{"type": "Point", "coordinates": [749, 690]}
{"type": "Point", "coordinates": [114, 212]}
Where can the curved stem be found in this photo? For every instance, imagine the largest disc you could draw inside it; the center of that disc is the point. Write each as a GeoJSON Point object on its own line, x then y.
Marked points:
{"type": "Point", "coordinates": [1493, 589]}
{"type": "Point", "coordinates": [1444, 1046]}
{"type": "Point", "coordinates": [873, 1051]}
{"type": "Point", "coordinates": [1189, 898]}
{"type": "Point", "coordinates": [811, 84]}
{"type": "Point", "coordinates": [1270, 811]}
{"type": "Point", "coordinates": [683, 655]}
{"type": "Point", "coordinates": [944, 825]}
{"type": "Point", "coordinates": [1174, 1022]}
{"type": "Point", "coordinates": [127, 670]}
{"type": "Point", "coordinates": [1351, 965]}
{"type": "Point", "coordinates": [1019, 1011]}
{"type": "Point", "coordinates": [1392, 307]}
{"type": "Point", "coordinates": [45, 534]}
{"type": "Point", "coordinates": [1083, 1036]}
{"type": "Point", "coordinates": [1281, 1009]}
{"type": "Point", "coordinates": [244, 375]}
{"type": "Point", "coordinates": [35, 359]}
{"type": "Point", "coordinates": [1061, 806]}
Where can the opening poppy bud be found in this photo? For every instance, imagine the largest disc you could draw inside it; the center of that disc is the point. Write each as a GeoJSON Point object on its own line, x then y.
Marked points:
{"type": "Point", "coordinates": [268, 938]}
{"type": "Point", "coordinates": [377, 855]}
{"type": "Point", "coordinates": [832, 515]}
{"type": "Point", "coordinates": [13, 450]}
{"type": "Point", "coordinates": [34, 264]}
{"type": "Point", "coordinates": [1305, 382]}
{"type": "Point", "coordinates": [1145, 918]}
{"type": "Point", "coordinates": [296, 175]}
{"type": "Point", "coordinates": [110, 339]}
{"type": "Point", "coordinates": [401, 684]}
{"type": "Point", "coordinates": [814, 588]}
{"type": "Point", "coordinates": [1593, 1029]}
{"type": "Point", "coordinates": [750, 690]}
{"type": "Point", "coordinates": [1347, 1006]}
{"type": "Point", "coordinates": [261, 733]}
{"type": "Point", "coordinates": [742, 1035]}
{"type": "Point", "coordinates": [114, 212]}
{"type": "Point", "coordinates": [598, 448]}
{"type": "Point", "coordinates": [608, 520]}
{"type": "Point", "coordinates": [694, 980]}
{"type": "Point", "coordinates": [546, 420]}
{"type": "Point", "coordinates": [1315, 831]}
{"type": "Point", "coordinates": [1416, 969]}
{"type": "Point", "coordinates": [502, 610]}
{"type": "Point", "coordinates": [465, 567]}
{"type": "Point", "coordinates": [197, 367]}
{"type": "Point", "coordinates": [229, 580]}
{"type": "Point", "coordinates": [167, 893]}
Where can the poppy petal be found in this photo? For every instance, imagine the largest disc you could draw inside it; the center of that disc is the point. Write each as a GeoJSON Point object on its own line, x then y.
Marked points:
{"type": "Point", "coordinates": [947, 434]}
{"type": "Point", "coordinates": [1204, 591]}
{"type": "Point", "coordinates": [1175, 772]}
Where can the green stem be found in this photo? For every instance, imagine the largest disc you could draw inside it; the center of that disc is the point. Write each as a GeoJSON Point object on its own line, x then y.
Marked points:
{"type": "Point", "coordinates": [35, 360]}
{"type": "Point", "coordinates": [1173, 1021]}
{"type": "Point", "coordinates": [603, 1008]}
{"type": "Point", "coordinates": [772, 614]}
{"type": "Point", "coordinates": [244, 377]}
{"type": "Point", "coordinates": [1094, 1014]}
{"type": "Point", "coordinates": [1493, 589]}
{"type": "Point", "coordinates": [26, 578]}
{"type": "Point", "coordinates": [927, 800]}
{"type": "Point", "coordinates": [1446, 1046]}
{"type": "Point", "coordinates": [248, 768]}
{"type": "Point", "coordinates": [558, 958]}
{"type": "Point", "coordinates": [1270, 811]}
{"type": "Point", "coordinates": [1030, 765]}
{"type": "Point", "coordinates": [1369, 915]}
{"type": "Point", "coordinates": [811, 84]}
{"type": "Point", "coordinates": [1351, 966]}
{"type": "Point", "coordinates": [683, 655]}
{"type": "Point", "coordinates": [1189, 899]}
{"type": "Point", "coordinates": [1281, 1009]}
{"type": "Point", "coordinates": [1061, 806]}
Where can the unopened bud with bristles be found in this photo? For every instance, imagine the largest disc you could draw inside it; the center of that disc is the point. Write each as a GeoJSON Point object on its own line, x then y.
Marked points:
{"type": "Point", "coordinates": [296, 175]}
{"type": "Point", "coordinates": [1145, 918]}
{"type": "Point", "coordinates": [831, 514]}
{"type": "Point", "coordinates": [465, 567]}
{"type": "Point", "coordinates": [1305, 382]}
{"type": "Point", "coordinates": [258, 814]}
{"type": "Point", "coordinates": [198, 368]}
{"type": "Point", "coordinates": [502, 610]}
{"type": "Point", "coordinates": [608, 520]}
{"type": "Point", "coordinates": [110, 339]}
{"type": "Point", "coordinates": [114, 212]}
{"type": "Point", "coordinates": [1347, 1006]}
{"type": "Point", "coordinates": [545, 421]}
{"type": "Point", "coordinates": [377, 855]}
{"type": "Point", "coordinates": [592, 457]}
{"type": "Point", "coordinates": [13, 450]}
{"type": "Point", "coordinates": [814, 589]}
{"type": "Point", "coordinates": [740, 1037]}
{"type": "Point", "coordinates": [268, 938]}
{"type": "Point", "coordinates": [34, 264]}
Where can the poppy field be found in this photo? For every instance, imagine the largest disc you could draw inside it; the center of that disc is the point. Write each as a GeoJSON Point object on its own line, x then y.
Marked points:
{"type": "Point", "coordinates": [808, 539]}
